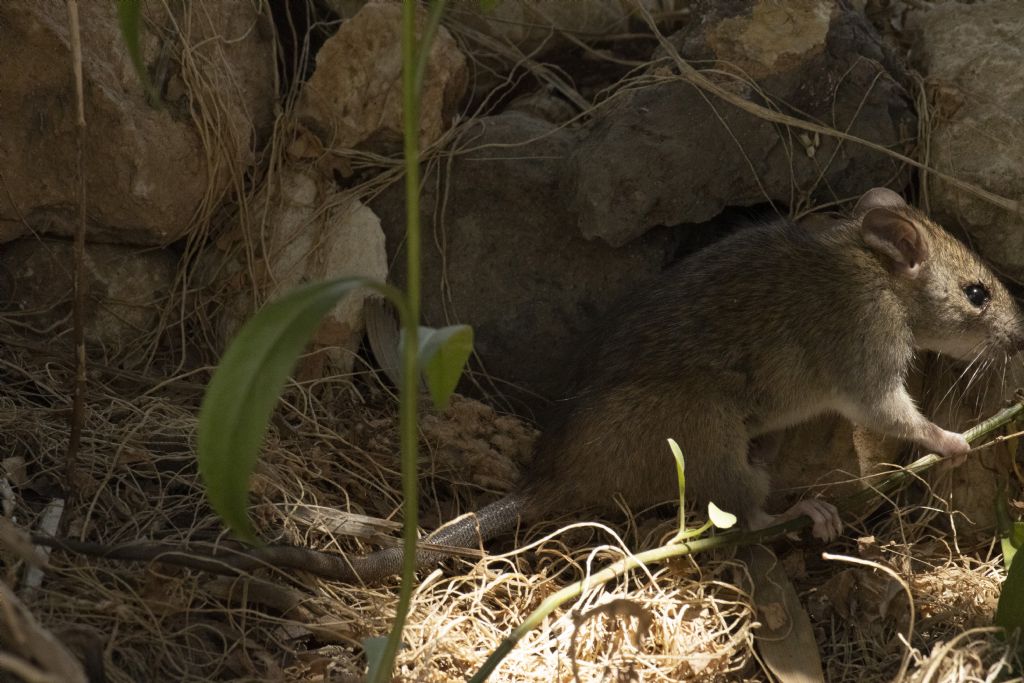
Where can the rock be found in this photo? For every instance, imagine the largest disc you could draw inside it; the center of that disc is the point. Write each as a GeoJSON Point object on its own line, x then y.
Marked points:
{"type": "Point", "coordinates": [536, 27]}
{"type": "Point", "coordinates": [151, 173]}
{"type": "Point", "coordinates": [127, 291]}
{"type": "Point", "coordinates": [501, 252]}
{"type": "Point", "coordinates": [540, 27]}
{"type": "Point", "coordinates": [971, 56]}
{"type": "Point", "coordinates": [669, 153]}
{"type": "Point", "coordinates": [956, 397]}
{"type": "Point", "coordinates": [544, 105]}
{"type": "Point", "coordinates": [311, 232]}
{"type": "Point", "coordinates": [773, 37]}
{"type": "Point", "coordinates": [354, 97]}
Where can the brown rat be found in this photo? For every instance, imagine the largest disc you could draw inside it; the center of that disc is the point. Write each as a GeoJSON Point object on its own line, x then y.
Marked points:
{"type": "Point", "coordinates": [762, 330]}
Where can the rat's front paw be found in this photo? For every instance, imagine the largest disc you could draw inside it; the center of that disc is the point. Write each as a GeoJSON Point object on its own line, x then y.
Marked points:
{"type": "Point", "coordinates": [950, 444]}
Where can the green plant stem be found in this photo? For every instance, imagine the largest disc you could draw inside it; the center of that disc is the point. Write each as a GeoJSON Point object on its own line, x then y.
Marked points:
{"type": "Point", "coordinates": [423, 48]}
{"type": "Point", "coordinates": [409, 394]}
{"type": "Point", "coordinates": [414, 61]}
{"type": "Point", "coordinates": [735, 538]}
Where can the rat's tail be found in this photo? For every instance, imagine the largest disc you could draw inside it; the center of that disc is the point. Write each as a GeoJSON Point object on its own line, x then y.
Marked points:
{"type": "Point", "coordinates": [467, 531]}
{"type": "Point", "coordinates": [229, 558]}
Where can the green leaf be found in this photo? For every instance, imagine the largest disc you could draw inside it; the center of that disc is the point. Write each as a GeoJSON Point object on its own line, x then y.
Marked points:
{"type": "Point", "coordinates": [1011, 534]}
{"type": "Point", "coordinates": [128, 19]}
{"type": "Point", "coordinates": [1010, 610]}
{"type": "Point", "coordinates": [374, 650]}
{"type": "Point", "coordinates": [1011, 542]}
{"type": "Point", "coordinates": [677, 453]}
{"type": "Point", "coordinates": [488, 5]}
{"type": "Point", "coordinates": [442, 355]}
{"type": "Point", "coordinates": [245, 388]}
{"type": "Point", "coordinates": [720, 518]}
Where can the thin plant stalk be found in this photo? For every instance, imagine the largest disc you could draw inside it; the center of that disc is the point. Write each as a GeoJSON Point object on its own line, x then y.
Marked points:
{"type": "Point", "coordinates": [413, 67]}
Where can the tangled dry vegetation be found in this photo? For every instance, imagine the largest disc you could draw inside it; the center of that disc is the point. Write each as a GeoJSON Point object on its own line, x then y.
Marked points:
{"type": "Point", "coordinates": [333, 447]}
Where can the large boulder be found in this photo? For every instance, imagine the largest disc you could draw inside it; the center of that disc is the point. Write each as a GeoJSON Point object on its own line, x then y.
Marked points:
{"type": "Point", "coordinates": [532, 27]}
{"type": "Point", "coordinates": [309, 231]}
{"type": "Point", "coordinates": [669, 153]}
{"type": "Point", "coordinates": [971, 56]}
{"type": "Point", "coordinates": [149, 171]}
{"type": "Point", "coordinates": [354, 97]}
{"type": "Point", "coordinates": [534, 230]}
{"type": "Point", "coordinates": [540, 27]}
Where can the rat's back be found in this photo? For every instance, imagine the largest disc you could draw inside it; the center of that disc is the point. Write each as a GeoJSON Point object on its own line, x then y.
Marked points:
{"type": "Point", "coordinates": [733, 341]}
{"type": "Point", "coordinates": [773, 298]}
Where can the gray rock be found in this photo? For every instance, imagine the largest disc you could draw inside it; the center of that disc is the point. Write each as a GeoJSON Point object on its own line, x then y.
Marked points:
{"type": "Point", "coordinates": [668, 153]}
{"type": "Point", "coordinates": [151, 173]}
{"type": "Point", "coordinates": [971, 55]}
{"type": "Point", "coordinates": [540, 27]}
{"type": "Point", "coordinates": [534, 231]}
{"type": "Point", "coordinates": [309, 232]}
{"type": "Point", "coordinates": [502, 253]}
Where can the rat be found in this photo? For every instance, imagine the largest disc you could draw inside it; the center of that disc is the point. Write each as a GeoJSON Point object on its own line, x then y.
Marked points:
{"type": "Point", "coordinates": [764, 329]}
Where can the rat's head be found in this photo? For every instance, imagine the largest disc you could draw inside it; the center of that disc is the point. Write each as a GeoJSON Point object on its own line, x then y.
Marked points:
{"type": "Point", "coordinates": [957, 306]}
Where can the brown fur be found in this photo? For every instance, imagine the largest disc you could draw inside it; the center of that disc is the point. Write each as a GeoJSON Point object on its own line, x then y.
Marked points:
{"type": "Point", "coordinates": [764, 329]}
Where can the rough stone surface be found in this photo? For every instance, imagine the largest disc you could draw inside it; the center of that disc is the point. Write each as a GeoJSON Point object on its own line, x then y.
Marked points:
{"type": "Point", "coordinates": [127, 288]}
{"type": "Point", "coordinates": [538, 27]}
{"type": "Point", "coordinates": [971, 56]}
{"type": "Point", "coordinates": [669, 153]}
{"type": "Point", "coordinates": [773, 37]}
{"type": "Point", "coordinates": [354, 97]}
{"type": "Point", "coordinates": [483, 447]}
{"type": "Point", "coordinates": [311, 233]}
{"type": "Point", "coordinates": [502, 253]}
{"type": "Point", "coordinates": [147, 170]}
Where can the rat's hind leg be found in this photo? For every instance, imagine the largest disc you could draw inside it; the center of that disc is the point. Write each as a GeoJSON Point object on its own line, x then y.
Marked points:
{"type": "Point", "coordinates": [720, 468]}
{"type": "Point", "coordinates": [726, 467]}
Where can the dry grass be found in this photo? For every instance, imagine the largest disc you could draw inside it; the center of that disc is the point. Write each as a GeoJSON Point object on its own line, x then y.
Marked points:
{"type": "Point", "coordinates": [334, 444]}
{"type": "Point", "coordinates": [137, 479]}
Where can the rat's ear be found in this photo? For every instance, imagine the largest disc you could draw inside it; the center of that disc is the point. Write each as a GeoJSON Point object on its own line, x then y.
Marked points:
{"type": "Point", "coordinates": [899, 240]}
{"type": "Point", "coordinates": [878, 198]}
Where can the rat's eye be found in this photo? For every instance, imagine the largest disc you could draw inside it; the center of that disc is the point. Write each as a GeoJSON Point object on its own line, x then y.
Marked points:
{"type": "Point", "coordinates": [977, 294]}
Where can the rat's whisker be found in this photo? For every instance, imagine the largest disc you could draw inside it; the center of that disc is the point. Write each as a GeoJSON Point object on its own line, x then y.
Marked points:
{"type": "Point", "coordinates": [953, 385]}
{"type": "Point", "coordinates": [978, 371]}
